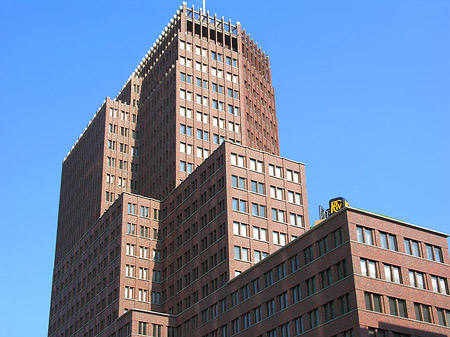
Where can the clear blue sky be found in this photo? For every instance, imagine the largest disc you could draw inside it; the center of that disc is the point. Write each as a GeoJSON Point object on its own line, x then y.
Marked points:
{"type": "Point", "coordinates": [362, 91]}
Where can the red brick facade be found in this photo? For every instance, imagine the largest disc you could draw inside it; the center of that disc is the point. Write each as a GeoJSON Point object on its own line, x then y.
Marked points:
{"type": "Point", "coordinates": [178, 217]}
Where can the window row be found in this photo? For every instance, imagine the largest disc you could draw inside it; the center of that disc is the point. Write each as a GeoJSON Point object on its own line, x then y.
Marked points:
{"type": "Point", "coordinates": [124, 115]}
{"type": "Point", "coordinates": [398, 307]}
{"type": "Point", "coordinates": [204, 53]}
{"type": "Point", "coordinates": [258, 166]}
{"type": "Point", "coordinates": [390, 241]}
{"type": "Point", "coordinates": [393, 273]}
{"type": "Point", "coordinates": [203, 67]}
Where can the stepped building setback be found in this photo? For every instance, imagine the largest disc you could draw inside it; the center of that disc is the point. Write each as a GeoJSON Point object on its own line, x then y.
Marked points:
{"type": "Point", "coordinates": [178, 217]}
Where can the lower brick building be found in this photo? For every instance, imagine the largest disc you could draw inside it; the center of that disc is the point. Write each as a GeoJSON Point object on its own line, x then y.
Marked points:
{"type": "Point", "coordinates": [229, 253]}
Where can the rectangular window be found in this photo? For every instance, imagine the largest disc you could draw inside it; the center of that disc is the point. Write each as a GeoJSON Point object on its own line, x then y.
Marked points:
{"type": "Point", "coordinates": [258, 210]}
{"type": "Point", "coordinates": [412, 247]}
{"type": "Point", "coordinates": [368, 268]}
{"type": "Point", "coordinates": [392, 273]}
{"type": "Point", "coordinates": [423, 312]}
{"type": "Point", "coordinates": [314, 318]}
{"type": "Point", "coordinates": [257, 187]}
{"type": "Point", "coordinates": [443, 317]}
{"type": "Point", "coordinates": [237, 160]}
{"type": "Point", "coordinates": [260, 233]}
{"type": "Point", "coordinates": [311, 286]}
{"type": "Point", "coordinates": [275, 171]}
{"type": "Point", "coordinates": [279, 238]}
{"type": "Point", "coordinates": [434, 253]}
{"type": "Point", "coordinates": [397, 307]}
{"type": "Point", "coordinates": [373, 302]}
{"type": "Point", "coordinates": [295, 220]}
{"type": "Point", "coordinates": [439, 284]}
{"type": "Point", "coordinates": [388, 241]}
{"type": "Point", "coordinates": [416, 279]}
{"type": "Point", "coordinates": [241, 253]}
{"type": "Point", "coordinates": [240, 228]}
{"type": "Point", "coordinates": [344, 304]}
{"type": "Point", "coordinates": [239, 205]}
{"type": "Point", "coordinates": [298, 325]}
{"type": "Point", "coordinates": [365, 235]}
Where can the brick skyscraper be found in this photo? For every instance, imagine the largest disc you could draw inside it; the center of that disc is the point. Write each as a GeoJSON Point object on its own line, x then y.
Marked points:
{"type": "Point", "coordinates": [177, 216]}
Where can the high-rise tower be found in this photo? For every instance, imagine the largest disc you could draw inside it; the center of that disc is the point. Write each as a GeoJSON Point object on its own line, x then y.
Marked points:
{"type": "Point", "coordinates": [204, 82]}
{"type": "Point", "coordinates": [178, 217]}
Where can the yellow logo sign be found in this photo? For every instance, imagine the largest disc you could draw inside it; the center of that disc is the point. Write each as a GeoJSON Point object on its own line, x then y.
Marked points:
{"type": "Point", "coordinates": [337, 204]}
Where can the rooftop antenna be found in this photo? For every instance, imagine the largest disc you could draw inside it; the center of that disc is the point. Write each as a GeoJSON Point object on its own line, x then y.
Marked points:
{"type": "Point", "coordinates": [203, 9]}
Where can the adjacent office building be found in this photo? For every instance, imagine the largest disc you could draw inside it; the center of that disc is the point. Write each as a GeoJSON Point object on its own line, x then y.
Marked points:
{"type": "Point", "coordinates": [178, 217]}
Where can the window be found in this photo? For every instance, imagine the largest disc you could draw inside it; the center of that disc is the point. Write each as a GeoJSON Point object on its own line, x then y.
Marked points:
{"type": "Point", "coordinates": [239, 205]}
{"type": "Point", "coordinates": [259, 210]}
{"type": "Point", "coordinates": [132, 208]}
{"type": "Point", "coordinates": [293, 261]}
{"type": "Point", "coordinates": [311, 286]}
{"type": "Point", "coordinates": [323, 246]}
{"type": "Point", "coordinates": [309, 254]}
{"type": "Point", "coordinates": [237, 160]}
{"type": "Point", "coordinates": [298, 325]}
{"type": "Point", "coordinates": [131, 228]}
{"type": "Point", "coordinates": [129, 270]}
{"type": "Point", "coordinates": [260, 255]}
{"type": "Point", "coordinates": [439, 284]}
{"type": "Point", "coordinates": [257, 187]}
{"type": "Point", "coordinates": [365, 235]}
{"type": "Point", "coordinates": [434, 253]}
{"type": "Point", "coordinates": [256, 165]}
{"type": "Point", "coordinates": [295, 220]}
{"type": "Point", "coordinates": [294, 198]}
{"type": "Point", "coordinates": [368, 268]}
{"type": "Point", "coordinates": [388, 241]}
{"type": "Point", "coordinates": [296, 294]}
{"type": "Point", "coordinates": [270, 305]}
{"type": "Point", "coordinates": [373, 302]}
{"type": "Point", "coordinates": [412, 247]}
{"type": "Point", "coordinates": [281, 271]}
{"type": "Point", "coordinates": [238, 182]}
{"type": "Point", "coordinates": [241, 253]}
{"type": "Point", "coordinates": [283, 301]}
{"type": "Point", "coordinates": [341, 268]}
{"type": "Point", "coordinates": [392, 273]}
{"type": "Point", "coordinates": [276, 192]}
{"type": "Point", "coordinates": [279, 238]}
{"type": "Point", "coordinates": [329, 311]}
{"type": "Point", "coordinates": [129, 292]}
{"type": "Point", "coordinates": [443, 317]}
{"type": "Point", "coordinates": [423, 312]}
{"type": "Point", "coordinates": [185, 130]}
{"type": "Point", "coordinates": [260, 233]}
{"type": "Point", "coordinates": [338, 237]}
{"type": "Point", "coordinates": [142, 328]}
{"type": "Point", "coordinates": [397, 307]}
{"type": "Point", "coordinates": [326, 278]}
{"type": "Point", "coordinates": [240, 228]}
{"type": "Point", "coordinates": [314, 318]}
{"type": "Point", "coordinates": [416, 279]}
{"type": "Point", "coordinates": [275, 171]}
{"type": "Point", "coordinates": [344, 304]}
{"type": "Point", "coordinates": [278, 215]}
{"type": "Point", "coordinates": [292, 176]}
{"type": "Point", "coordinates": [268, 276]}
{"type": "Point", "coordinates": [285, 331]}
